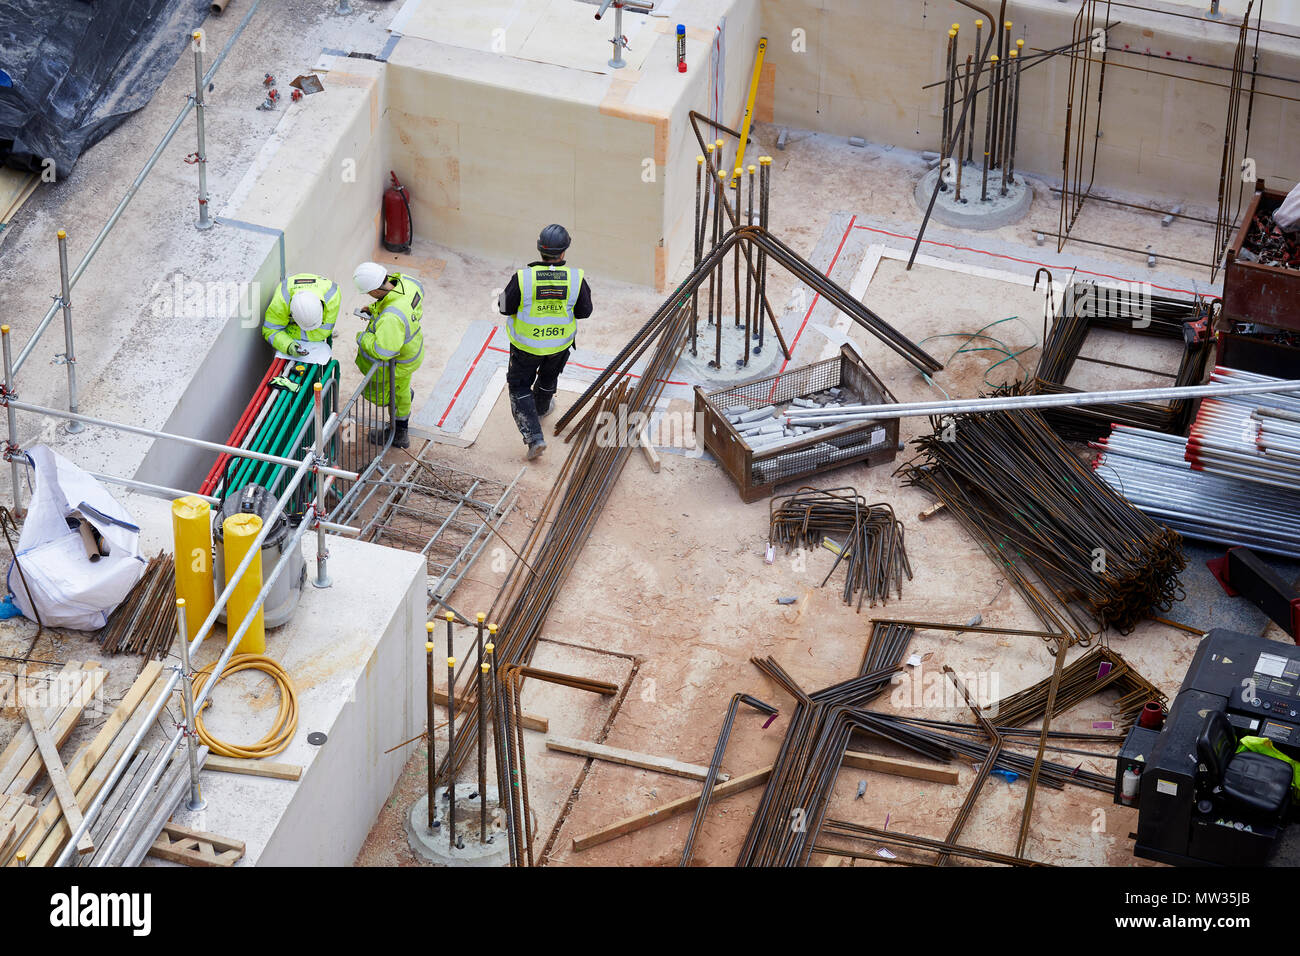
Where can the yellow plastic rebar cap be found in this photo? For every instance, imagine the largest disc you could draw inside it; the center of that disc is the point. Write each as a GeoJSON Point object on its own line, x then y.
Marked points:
{"type": "Point", "coordinates": [428, 647]}
{"type": "Point", "coordinates": [451, 662]}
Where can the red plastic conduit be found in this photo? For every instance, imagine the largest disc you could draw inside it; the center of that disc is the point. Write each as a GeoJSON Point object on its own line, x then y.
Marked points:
{"type": "Point", "coordinates": [242, 426]}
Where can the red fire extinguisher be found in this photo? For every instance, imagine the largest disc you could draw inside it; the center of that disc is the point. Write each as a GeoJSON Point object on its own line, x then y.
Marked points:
{"type": "Point", "coordinates": [397, 217]}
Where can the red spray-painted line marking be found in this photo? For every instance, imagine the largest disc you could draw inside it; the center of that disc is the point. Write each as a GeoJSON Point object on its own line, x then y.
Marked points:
{"type": "Point", "coordinates": [464, 380]}
{"type": "Point", "coordinates": [808, 314]}
{"type": "Point", "coordinates": [1028, 262]}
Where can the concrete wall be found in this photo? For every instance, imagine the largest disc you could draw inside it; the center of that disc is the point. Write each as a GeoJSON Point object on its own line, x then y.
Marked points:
{"type": "Point", "coordinates": [495, 147]}
{"type": "Point", "coordinates": [370, 698]}
{"type": "Point", "coordinates": [866, 61]}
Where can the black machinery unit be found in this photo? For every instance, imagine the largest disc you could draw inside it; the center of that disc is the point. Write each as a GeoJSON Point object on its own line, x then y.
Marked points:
{"type": "Point", "coordinates": [1200, 801]}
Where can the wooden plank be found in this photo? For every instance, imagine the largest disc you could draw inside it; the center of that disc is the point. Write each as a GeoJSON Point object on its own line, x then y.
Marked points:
{"type": "Point", "coordinates": [218, 843]}
{"type": "Point", "coordinates": [9, 807]}
{"type": "Point", "coordinates": [22, 823]}
{"type": "Point", "coordinates": [648, 450]}
{"type": "Point", "coordinates": [529, 721]}
{"type": "Point", "coordinates": [22, 747]}
{"type": "Point", "coordinates": [254, 768]}
{"type": "Point", "coordinates": [746, 781]}
{"type": "Point", "coordinates": [931, 511]}
{"type": "Point", "coordinates": [629, 758]}
{"type": "Point", "coordinates": [62, 729]}
{"type": "Point", "coordinates": [899, 768]}
{"type": "Point", "coordinates": [6, 832]}
{"type": "Point", "coordinates": [54, 767]}
{"type": "Point", "coordinates": [94, 763]}
{"type": "Point", "coordinates": [193, 851]}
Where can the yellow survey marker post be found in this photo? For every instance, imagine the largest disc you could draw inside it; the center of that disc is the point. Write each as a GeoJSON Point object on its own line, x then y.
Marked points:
{"type": "Point", "coordinates": [238, 533]}
{"type": "Point", "coordinates": [192, 541]}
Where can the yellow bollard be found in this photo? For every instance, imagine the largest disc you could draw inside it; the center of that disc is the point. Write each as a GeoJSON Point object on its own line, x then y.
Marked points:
{"type": "Point", "coordinates": [239, 530]}
{"type": "Point", "coordinates": [192, 541]}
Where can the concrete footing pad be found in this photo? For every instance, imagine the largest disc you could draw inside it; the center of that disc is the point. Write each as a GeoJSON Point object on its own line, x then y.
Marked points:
{"type": "Point", "coordinates": [434, 845]}
{"type": "Point", "coordinates": [973, 212]}
{"type": "Point", "coordinates": [697, 369]}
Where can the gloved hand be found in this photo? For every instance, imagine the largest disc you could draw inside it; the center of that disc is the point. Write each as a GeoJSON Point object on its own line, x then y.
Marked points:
{"type": "Point", "coordinates": [296, 349]}
{"type": "Point", "coordinates": [362, 313]}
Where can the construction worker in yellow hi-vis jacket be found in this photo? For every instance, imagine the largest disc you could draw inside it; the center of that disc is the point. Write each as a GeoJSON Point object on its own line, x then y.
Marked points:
{"type": "Point", "coordinates": [392, 333]}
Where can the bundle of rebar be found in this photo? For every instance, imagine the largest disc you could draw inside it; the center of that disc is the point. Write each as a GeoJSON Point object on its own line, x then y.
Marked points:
{"type": "Point", "coordinates": [1098, 669]}
{"type": "Point", "coordinates": [1049, 523]}
{"type": "Point", "coordinates": [1088, 306]}
{"type": "Point", "coordinates": [145, 622]}
{"type": "Point", "coordinates": [868, 539]}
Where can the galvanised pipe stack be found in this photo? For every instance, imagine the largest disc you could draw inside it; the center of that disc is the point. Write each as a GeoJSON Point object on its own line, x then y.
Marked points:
{"type": "Point", "coordinates": [1254, 439]}
{"type": "Point", "coordinates": [1151, 470]}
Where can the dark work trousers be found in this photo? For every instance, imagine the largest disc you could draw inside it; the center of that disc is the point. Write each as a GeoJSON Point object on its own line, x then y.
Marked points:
{"type": "Point", "coordinates": [531, 381]}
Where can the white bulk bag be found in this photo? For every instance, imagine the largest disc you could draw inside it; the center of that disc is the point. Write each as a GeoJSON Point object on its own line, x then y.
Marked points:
{"type": "Point", "coordinates": [67, 589]}
{"type": "Point", "coordinates": [1287, 215]}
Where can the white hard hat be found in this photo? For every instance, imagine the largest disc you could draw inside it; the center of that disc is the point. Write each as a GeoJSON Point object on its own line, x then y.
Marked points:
{"type": "Point", "coordinates": [369, 276]}
{"type": "Point", "coordinates": [305, 307]}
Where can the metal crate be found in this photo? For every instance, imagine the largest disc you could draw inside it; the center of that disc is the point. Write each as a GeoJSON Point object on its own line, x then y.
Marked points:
{"type": "Point", "coordinates": [1253, 292]}
{"type": "Point", "coordinates": [757, 473]}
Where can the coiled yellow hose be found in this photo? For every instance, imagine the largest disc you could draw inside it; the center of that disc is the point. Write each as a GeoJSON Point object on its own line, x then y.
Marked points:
{"type": "Point", "coordinates": [286, 719]}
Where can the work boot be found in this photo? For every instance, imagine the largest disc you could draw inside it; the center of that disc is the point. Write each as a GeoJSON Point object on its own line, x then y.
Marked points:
{"type": "Point", "coordinates": [401, 439]}
{"type": "Point", "coordinates": [535, 448]}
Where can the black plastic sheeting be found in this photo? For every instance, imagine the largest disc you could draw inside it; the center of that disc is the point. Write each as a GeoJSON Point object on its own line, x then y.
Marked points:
{"type": "Point", "coordinates": [72, 70]}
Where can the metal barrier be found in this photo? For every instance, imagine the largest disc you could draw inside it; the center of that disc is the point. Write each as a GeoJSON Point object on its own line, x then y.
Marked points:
{"type": "Point", "coordinates": [360, 417]}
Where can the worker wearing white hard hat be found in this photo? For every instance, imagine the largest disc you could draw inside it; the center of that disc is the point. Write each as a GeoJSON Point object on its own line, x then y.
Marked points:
{"type": "Point", "coordinates": [303, 309]}
{"type": "Point", "coordinates": [392, 334]}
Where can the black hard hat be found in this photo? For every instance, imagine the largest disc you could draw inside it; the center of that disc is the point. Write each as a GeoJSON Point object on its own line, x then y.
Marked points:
{"type": "Point", "coordinates": [553, 240]}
